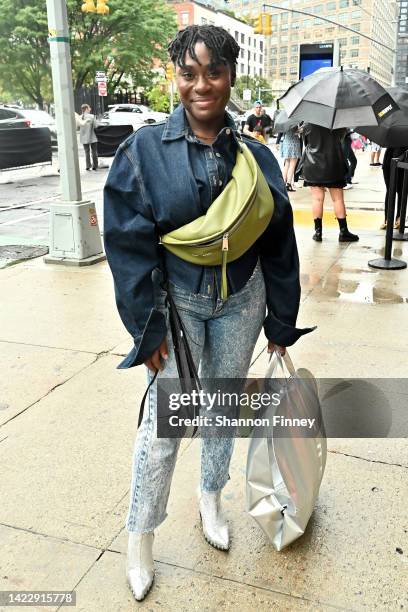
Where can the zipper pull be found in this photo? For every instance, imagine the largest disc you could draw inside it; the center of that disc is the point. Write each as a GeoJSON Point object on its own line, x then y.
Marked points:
{"type": "Point", "coordinates": [225, 242]}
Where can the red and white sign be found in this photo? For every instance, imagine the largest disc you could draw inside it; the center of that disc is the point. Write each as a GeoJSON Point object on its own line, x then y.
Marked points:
{"type": "Point", "coordinates": [102, 88]}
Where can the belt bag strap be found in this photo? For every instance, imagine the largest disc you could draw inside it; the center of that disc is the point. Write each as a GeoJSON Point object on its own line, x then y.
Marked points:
{"type": "Point", "coordinates": [231, 225]}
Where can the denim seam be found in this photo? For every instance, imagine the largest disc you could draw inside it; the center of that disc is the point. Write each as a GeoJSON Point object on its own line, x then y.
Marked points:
{"type": "Point", "coordinates": [144, 453]}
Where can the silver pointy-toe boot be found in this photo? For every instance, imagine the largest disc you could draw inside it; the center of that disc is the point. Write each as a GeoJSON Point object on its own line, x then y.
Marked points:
{"type": "Point", "coordinates": [140, 564]}
{"type": "Point", "coordinates": [215, 527]}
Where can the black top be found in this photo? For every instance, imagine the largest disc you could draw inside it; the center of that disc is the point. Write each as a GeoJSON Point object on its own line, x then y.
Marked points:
{"type": "Point", "coordinates": [323, 158]}
{"type": "Point", "coordinates": [258, 123]}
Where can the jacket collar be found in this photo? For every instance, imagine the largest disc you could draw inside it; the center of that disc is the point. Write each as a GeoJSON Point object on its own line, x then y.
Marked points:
{"type": "Point", "coordinates": [177, 126]}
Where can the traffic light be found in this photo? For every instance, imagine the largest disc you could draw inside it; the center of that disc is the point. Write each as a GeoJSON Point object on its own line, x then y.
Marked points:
{"type": "Point", "coordinates": [102, 7]}
{"type": "Point", "coordinates": [88, 7]}
{"type": "Point", "coordinates": [258, 24]}
{"type": "Point", "coordinates": [263, 24]}
{"type": "Point", "coordinates": [267, 29]}
{"type": "Point", "coordinates": [169, 71]}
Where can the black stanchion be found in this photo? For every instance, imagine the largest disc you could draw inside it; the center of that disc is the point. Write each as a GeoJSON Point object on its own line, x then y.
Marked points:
{"type": "Point", "coordinates": [387, 262]}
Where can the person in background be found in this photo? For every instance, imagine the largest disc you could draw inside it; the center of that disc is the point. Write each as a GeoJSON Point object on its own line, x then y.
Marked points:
{"type": "Point", "coordinates": [351, 159]}
{"type": "Point", "coordinates": [390, 154]}
{"type": "Point", "coordinates": [257, 123]}
{"type": "Point", "coordinates": [324, 167]}
{"type": "Point", "coordinates": [375, 154]}
{"type": "Point", "coordinates": [290, 151]}
{"type": "Point", "coordinates": [87, 136]}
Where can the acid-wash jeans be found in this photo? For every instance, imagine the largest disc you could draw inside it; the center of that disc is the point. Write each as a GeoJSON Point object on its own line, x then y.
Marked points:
{"type": "Point", "coordinates": [222, 337]}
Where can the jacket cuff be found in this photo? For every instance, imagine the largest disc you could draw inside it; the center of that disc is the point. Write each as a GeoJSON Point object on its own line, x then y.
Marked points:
{"type": "Point", "coordinates": [283, 334]}
{"type": "Point", "coordinates": [153, 335]}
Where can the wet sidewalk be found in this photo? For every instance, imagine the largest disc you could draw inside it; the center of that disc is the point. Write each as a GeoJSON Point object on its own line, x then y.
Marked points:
{"type": "Point", "coordinates": [68, 421]}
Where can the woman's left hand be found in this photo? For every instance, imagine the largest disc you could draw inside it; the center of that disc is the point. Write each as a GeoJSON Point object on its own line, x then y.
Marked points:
{"type": "Point", "coordinates": [276, 347]}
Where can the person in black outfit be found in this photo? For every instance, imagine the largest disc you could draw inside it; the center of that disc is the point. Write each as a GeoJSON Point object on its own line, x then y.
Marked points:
{"type": "Point", "coordinates": [351, 159]}
{"type": "Point", "coordinates": [324, 167]}
{"type": "Point", "coordinates": [390, 153]}
{"type": "Point", "coordinates": [257, 123]}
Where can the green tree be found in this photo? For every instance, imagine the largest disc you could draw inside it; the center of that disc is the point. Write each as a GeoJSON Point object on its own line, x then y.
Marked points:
{"type": "Point", "coordinates": [159, 97]}
{"type": "Point", "coordinates": [254, 84]}
{"type": "Point", "coordinates": [122, 43]}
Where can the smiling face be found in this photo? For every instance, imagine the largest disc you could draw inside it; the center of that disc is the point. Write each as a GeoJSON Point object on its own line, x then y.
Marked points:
{"type": "Point", "coordinates": [204, 89]}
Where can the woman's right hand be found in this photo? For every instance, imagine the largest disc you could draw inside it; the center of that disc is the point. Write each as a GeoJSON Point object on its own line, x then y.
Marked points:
{"type": "Point", "coordinates": [154, 362]}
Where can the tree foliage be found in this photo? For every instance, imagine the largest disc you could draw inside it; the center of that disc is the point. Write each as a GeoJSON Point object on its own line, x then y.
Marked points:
{"type": "Point", "coordinates": [254, 84]}
{"type": "Point", "coordinates": [123, 44]}
{"type": "Point", "coordinates": [159, 97]}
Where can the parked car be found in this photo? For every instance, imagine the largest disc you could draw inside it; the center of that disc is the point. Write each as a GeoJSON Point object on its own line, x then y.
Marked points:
{"type": "Point", "coordinates": [11, 118]}
{"type": "Point", "coordinates": [40, 118]}
{"type": "Point", "coordinates": [26, 117]}
{"type": "Point", "coordinates": [136, 115]}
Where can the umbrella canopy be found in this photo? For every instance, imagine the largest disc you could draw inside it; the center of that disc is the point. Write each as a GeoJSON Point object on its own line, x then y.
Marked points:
{"type": "Point", "coordinates": [339, 98]}
{"type": "Point", "coordinates": [393, 132]}
{"type": "Point", "coordinates": [283, 123]}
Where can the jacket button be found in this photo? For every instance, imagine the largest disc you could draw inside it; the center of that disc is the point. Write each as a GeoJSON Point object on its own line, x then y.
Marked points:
{"type": "Point", "coordinates": [228, 131]}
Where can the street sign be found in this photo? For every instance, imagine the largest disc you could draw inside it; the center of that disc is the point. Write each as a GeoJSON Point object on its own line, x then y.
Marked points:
{"type": "Point", "coordinates": [102, 88]}
{"type": "Point", "coordinates": [100, 76]}
{"type": "Point", "coordinates": [246, 95]}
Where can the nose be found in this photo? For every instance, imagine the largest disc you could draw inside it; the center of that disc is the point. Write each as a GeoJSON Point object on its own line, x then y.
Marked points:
{"type": "Point", "coordinates": [202, 85]}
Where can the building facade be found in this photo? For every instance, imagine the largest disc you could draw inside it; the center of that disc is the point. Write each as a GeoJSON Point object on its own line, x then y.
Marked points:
{"type": "Point", "coordinates": [402, 46]}
{"type": "Point", "coordinates": [376, 19]}
{"type": "Point", "coordinates": [251, 60]}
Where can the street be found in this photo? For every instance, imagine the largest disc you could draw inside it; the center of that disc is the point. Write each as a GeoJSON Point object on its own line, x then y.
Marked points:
{"type": "Point", "coordinates": [68, 421]}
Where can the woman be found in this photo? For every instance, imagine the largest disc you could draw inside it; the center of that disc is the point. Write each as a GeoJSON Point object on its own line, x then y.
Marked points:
{"type": "Point", "coordinates": [290, 151]}
{"type": "Point", "coordinates": [324, 167]}
{"type": "Point", "coordinates": [164, 176]}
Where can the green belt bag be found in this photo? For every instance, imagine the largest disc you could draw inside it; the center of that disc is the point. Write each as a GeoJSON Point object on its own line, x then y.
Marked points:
{"type": "Point", "coordinates": [233, 222]}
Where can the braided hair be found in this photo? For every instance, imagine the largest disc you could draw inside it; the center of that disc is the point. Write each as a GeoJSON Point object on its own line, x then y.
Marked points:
{"type": "Point", "coordinates": [222, 46]}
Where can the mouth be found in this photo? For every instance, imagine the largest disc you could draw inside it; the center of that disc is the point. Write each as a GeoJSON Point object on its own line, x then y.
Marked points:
{"type": "Point", "coordinates": [204, 102]}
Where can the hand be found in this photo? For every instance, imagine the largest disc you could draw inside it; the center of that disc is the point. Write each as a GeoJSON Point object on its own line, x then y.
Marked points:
{"type": "Point", "coordinates": [154, 362]}
{"type": "Point", "coordinates": [276, 347]}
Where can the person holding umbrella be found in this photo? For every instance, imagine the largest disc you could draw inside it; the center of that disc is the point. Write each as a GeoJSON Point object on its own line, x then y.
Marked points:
{"type": "Point", "coordinates": [325, 167]}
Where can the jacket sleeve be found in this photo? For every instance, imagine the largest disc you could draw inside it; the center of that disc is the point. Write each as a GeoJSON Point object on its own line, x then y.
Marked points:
{"type": "Point", "coordinates": [280, 265]}
{"type": "Point", "coordinates": [131, 245]}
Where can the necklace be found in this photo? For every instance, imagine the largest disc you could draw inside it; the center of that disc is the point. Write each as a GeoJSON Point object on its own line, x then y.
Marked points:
{"type": "Point", "coordinates": [205, 137]}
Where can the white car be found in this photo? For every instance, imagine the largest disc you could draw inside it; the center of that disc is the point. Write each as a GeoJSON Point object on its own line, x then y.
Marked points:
{"type": "Point", "coordinates": [39, 118]}
{"type": "Point", "coordinates": [135, 115]}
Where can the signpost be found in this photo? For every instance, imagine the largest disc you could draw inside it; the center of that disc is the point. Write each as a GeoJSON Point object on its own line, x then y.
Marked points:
{"type": "Point", "coordinates": [100, 78]}
{"type": "Point", "coordinates": [102, 88]}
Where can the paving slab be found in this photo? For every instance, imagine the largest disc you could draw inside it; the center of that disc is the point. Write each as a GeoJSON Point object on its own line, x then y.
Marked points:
{"type": "Point", "coordinates": [347, 558]}
{"type": "Point", "coordinates": [61, 309]}
{"type": "Point", "coordinates": [66, 462]}
{"type": "Point", "coordinates": [25, 383]}
{"type": "Point", "coordinates": [105, 589]}
{"type": "Point", "coordinates": [30, 561]}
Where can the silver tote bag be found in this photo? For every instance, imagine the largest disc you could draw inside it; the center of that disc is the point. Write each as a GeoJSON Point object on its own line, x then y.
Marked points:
{"type": "Point", "coordinates": [283, 474]}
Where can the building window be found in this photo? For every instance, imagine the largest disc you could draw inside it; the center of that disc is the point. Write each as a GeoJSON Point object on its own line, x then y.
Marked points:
{"type": "Point", "coordinates": [354, 53]}
{"type": "Point", "coordinates": [283, 50]}
{"type": "Point", "coordinates": [294, 48]}
{"type": "Point", "coordinates": [342, 42]}
{"type": "Point", "coordinates": [236, 35]}
{"type": "Point", "coordinates": [331, 6]}
{"type": "Point", "coordinates": [184, 18]}
{"type": "Point", "coordinates": [261, 46]}
{"type": "Point", "coordinates": [203, 21]}
{"type": "Point", "coordinates": [356, 14]}
{"type": "Point", "coordinates": [242, 38]}
{"type": "Point", "coordinates": [343, 3]}
{"type": "Point", "coordinates": [355, 40]}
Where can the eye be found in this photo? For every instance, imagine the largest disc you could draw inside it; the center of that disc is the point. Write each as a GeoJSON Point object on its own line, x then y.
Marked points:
{"type": "Point", "coordinates": [187, 75]}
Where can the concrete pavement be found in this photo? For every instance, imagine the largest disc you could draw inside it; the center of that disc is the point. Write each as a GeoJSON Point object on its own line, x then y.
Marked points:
{"type": "Point", "coordinates": [68, 421]}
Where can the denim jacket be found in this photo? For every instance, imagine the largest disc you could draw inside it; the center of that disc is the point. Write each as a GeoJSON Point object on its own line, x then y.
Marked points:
{"type": "Point", "coordinates": [162, 177]}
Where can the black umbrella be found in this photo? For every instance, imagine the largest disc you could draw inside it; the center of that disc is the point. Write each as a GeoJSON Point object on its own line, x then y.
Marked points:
{"type": "Point", "coordinates": [283, 123]}
{"type": "Point", "coordinates": [338, 98]}
{"type": "Point", "coordinates": [393, 132]}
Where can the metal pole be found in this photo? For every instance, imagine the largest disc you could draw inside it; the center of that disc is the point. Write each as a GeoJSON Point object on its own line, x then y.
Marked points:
{"type": "Point", "coordinates": [171, 96]}
{"type": "Point", "coordinates": [387, 262]}
{"type": "Point", "coordinates": [74, 232]}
